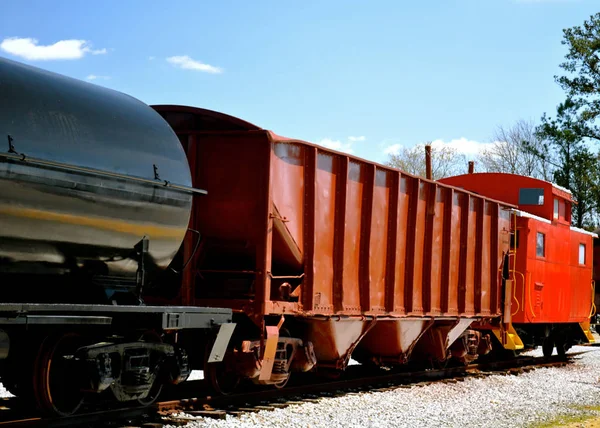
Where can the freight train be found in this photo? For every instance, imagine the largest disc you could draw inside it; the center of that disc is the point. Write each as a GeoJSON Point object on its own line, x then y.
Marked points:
{"type": "Point", "coordinates": [138, 243]}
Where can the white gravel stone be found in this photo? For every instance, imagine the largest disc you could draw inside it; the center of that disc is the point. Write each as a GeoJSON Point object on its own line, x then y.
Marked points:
{"type": "Point", "coordinates": [196, 375]}
{"type": "Point", "coordinates": [538, 396]}
{"type": "Point", "coordinates": [4, 393]}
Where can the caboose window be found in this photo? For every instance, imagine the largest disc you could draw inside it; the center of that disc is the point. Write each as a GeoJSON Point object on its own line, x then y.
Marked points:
{"type": "Point", "coordinates": [531, 196]}
{"type": "Point", "coordinates": [581, 254]}
{"type": "Point", "coordinates": [540, 247]}
{"type": "Point", "coordinates": [556, 208]}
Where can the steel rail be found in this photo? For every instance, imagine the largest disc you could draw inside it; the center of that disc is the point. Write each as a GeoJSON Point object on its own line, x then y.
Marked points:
{"type": "Point", "coordinates": [252, 400]}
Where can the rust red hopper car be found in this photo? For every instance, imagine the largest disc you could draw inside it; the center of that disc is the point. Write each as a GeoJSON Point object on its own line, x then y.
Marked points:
{"type": "Point", "coordinates": [359, 259]}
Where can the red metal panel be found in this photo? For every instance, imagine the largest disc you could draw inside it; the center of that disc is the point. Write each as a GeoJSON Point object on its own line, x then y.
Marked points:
{"type": "Point", "coordinates": [463, 262]}
{"type": "Point", "coordinates": [365, 242]}
{"type": "Point", "coordinates": [479, 259]}
{"type": "Point", "coordinates": [288, 194]}
{"type": "Point", "coordinates": [455, 250]}
{"type": "Point", "coordinates": [353, 239]}
{"type": "Point", "coordinates": [504, 233]}
{"type": "Point", "coordinates": [310, 180]}
{"type": "Point", "coordinates": [437, 249]}
{"type": "Point", "coordinates": [392, 241]}
{"type": "Point", "coordinates": [428, 250]}
{"type": "Point", "coordinates": [340, 233]}
{"type": "Point", "coordinates": [412, 190]}
{"type": "Point", "coordinates": [234, 192]}
{"type": "Point", "coordinates": [582, 291]}
{"type": "Point", "coordinates": [402, 243]}
{"type": "Point", "coordinates": [445, 272]}
{"type": "Point", "coordinates": [420, 210]}
{"type": "Point", "coordinates": [471, 259]}
{"type": "Point", "coordinates": [265, 239]}
{"type": "Point", "coordinates": [379, 240]}
{"type": "Point", "coordinates": [487, 242]}
{"type": "Point", "coordinates": [324, 213]}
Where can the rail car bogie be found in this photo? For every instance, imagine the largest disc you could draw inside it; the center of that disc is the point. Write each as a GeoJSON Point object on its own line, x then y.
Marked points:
{"type": "Point", "coordinates": [58, 354]}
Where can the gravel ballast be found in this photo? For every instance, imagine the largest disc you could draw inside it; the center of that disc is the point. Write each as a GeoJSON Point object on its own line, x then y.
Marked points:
{"type": "Point", "coordinates": [537, 397]}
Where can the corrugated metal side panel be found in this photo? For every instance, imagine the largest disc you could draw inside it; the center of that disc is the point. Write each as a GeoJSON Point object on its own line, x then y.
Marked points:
{"type": "Point", "coordinates": [324, 212]}
{"type": "Point", "coordinates": [400, 267]}
{"type": "Point", "coordinates": [371, 240]}
{"type": "Point", "coordinates": [350, 231]}
{"type": "Point", "coordinates": [377, 241]}
{"type": "Point", "coordinates": [380, 234]}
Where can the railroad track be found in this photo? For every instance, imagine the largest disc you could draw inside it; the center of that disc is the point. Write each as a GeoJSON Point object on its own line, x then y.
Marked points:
{"type": "Point", "coordinates": [202, 405]}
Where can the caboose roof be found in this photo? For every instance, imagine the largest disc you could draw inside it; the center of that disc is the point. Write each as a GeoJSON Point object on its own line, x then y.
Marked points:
{"type": "Point", "coordinates": [505, 186]}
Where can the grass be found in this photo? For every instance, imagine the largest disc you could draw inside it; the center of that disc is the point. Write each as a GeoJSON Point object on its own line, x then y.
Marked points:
{"type": "Point", "coordinates": [586, 413]}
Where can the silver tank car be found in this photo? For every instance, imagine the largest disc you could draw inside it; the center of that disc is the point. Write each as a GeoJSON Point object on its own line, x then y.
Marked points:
{"type": "Point", "coordinates": [87, 175]}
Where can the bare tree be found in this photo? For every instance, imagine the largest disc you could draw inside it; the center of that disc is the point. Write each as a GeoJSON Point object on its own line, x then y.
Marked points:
{"type": "Point", "coordinates": [445, 161]}
{"type": "Point", "coordinates": [509, 152]}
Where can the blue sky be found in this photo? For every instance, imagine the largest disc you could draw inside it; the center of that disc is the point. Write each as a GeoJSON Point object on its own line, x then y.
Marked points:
{"type": "Point", "coordinates": [357, 75]}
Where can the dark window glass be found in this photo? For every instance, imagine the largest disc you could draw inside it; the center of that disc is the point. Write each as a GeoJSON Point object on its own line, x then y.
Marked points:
{"type": "Point", "coordinates": [514, 240]}
{"type": "Point", "coordinates": [531, 196]}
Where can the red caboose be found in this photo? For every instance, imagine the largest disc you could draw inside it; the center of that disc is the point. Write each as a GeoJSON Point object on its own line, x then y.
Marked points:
{"type": "Point", "coordinates": [550, 261]}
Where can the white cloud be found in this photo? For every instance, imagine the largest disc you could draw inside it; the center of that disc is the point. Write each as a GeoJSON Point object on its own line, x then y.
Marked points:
{"type": "Point", "coordinates": [394, 149]}
{"type": "Point", "coordinates": [188, 63]}
{"type": "Point", "coordinates": [357, 139]}
{"type": "Point", "coordinates": [29, 48]}
{"type": "Point", "coordinates": [462, 145]}
{"type": "Point", "coordinates": [336, 145]}
{"type": "Point", "coordinates": [94, 77]}
{"type": "Point", "coordinates": [151, 58]}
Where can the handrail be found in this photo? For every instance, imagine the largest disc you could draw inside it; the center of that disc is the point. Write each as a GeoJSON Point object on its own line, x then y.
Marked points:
{"type": "Point", "coordinates": [21, 157]}
{"type": "Point", "coordinates": [529, 294]}
{"type": "Point", "coordinates": [593, 308]}
{"type": "Point", "coordinates": [513, 270]}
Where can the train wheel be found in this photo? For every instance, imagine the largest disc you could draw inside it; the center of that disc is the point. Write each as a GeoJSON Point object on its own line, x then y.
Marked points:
{"type": "Point", "coordinates": [547, 346]}
{"type": "Point", "coordinates": [157, 386]}
{"type": "Point", "coordinates": [56, 387]}
{"type": "Point", "coordinates": [284, 332]}
{"type": "Point", "coordinates": [561, 347]}
{"type": "Point", "coordinates": [221, 378]}
{"type": "Point", "coordinates": [442, 364]}
{"type": "Point", "coordinates": [283, 383]}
